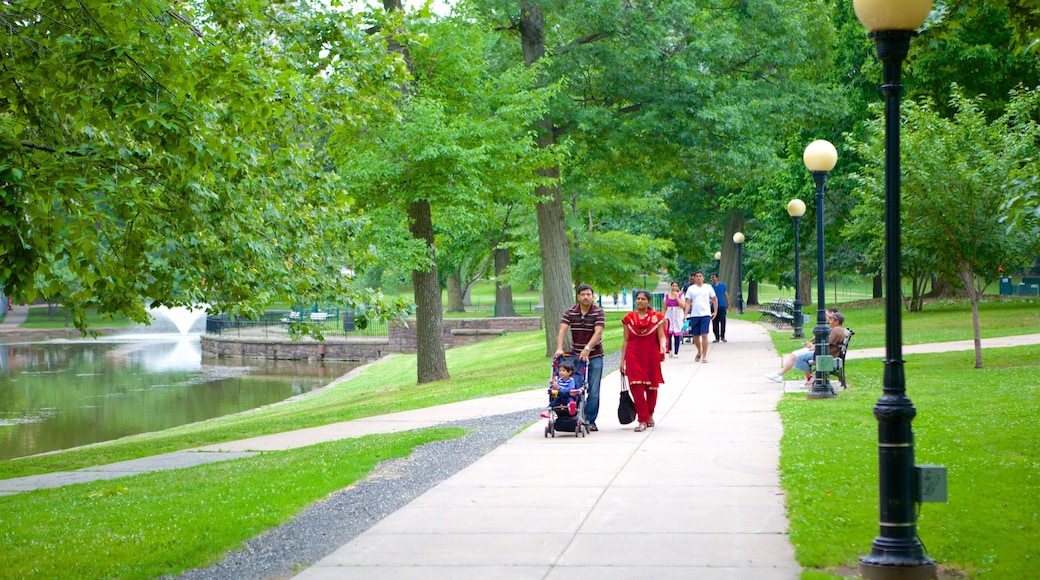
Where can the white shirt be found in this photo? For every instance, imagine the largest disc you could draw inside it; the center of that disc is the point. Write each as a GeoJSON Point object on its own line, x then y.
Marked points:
{"type": "Point", "coordinates": [699, 299]}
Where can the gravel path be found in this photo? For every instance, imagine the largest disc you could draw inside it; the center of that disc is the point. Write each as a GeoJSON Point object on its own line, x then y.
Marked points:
{"type": "Point", "coordinates": [323, 527]}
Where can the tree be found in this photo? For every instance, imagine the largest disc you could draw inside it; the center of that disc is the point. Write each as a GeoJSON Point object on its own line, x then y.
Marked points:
{"type": "Point", "coordinates": [147, 152]}
{"type": "Point", "coordinates": [954, 187]}
{"type": "Point", "coordinates": [457, 141]}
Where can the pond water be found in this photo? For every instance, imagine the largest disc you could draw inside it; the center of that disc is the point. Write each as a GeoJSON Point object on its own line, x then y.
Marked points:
{"type": "Point", "coordinates": [65, 393]}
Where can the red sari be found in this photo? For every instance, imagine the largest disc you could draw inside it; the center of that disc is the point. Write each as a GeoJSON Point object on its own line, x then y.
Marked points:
{"type": "Point", "coordinates": [643, 360]}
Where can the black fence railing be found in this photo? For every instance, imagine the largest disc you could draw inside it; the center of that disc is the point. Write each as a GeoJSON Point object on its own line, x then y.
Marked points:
{"type": "Point", "coordinates": [276, 323]}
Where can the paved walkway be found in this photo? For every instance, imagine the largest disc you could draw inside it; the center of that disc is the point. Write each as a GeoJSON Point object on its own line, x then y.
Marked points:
{"type": "Point", "coordinates": [698, 496]}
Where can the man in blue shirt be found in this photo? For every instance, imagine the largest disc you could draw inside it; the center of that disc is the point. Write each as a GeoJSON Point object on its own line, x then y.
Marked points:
{"type": "Point", "coordinates": [718, 325]}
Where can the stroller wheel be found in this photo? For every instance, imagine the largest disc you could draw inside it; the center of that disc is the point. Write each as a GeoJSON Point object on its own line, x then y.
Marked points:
{"type": "Point", "coordinates": [578, 432]}
{"type": "Point", "coordinates": [547, 431]}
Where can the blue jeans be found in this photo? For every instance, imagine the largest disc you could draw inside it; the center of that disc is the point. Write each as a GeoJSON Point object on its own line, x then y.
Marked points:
{"type": "Point", "coordinates": [595, 373]}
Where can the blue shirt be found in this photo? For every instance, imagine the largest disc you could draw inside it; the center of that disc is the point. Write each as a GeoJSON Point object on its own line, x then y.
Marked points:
{"type": "Point", "coordinates": [720, 293]}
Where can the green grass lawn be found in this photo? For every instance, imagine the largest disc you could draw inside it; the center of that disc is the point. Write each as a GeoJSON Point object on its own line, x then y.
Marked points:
{"type": "Point", "coordinates": [979, 423]}
{"type": "Point", "coordinates": [53, 318]}
{"type": "Point", "coordinates": [161, 524]}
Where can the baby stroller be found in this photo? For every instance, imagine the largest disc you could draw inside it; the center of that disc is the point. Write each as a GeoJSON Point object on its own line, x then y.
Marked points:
{"type": "Point", "coordinates": [566, 412]}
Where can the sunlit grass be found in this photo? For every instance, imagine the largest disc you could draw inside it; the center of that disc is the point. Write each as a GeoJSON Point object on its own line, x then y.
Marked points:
{"type": "Point", "coordinates": [980, 424]}
{"type": "Point", "coordinates": [161, 524]}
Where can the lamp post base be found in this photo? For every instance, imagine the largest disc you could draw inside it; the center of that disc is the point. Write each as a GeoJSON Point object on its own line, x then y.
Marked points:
{"type": "Point", "coordinates": [880, 572]}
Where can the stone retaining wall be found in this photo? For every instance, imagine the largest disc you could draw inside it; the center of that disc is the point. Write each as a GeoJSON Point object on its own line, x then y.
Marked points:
{"type": "Point", "coordinates": [457, 332]}
{"type": "Point", "coordinates": [460, 331]}
{"type": "Point", "coordinates": [333, 349]}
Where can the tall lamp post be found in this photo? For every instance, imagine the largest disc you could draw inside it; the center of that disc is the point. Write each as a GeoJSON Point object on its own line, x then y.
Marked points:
{"type": "Point", "coordinates": [796, 209]}
{"type": "Point", "coordinates": [896, 552]}
{"type": "Point", "coordinates": [820, 157]}
{"type": "Point", "coordinates": [738, 239]}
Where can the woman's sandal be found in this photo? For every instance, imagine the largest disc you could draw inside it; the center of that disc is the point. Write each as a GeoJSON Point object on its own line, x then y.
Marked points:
{"type": "Point", "coordinates": [650, 423]}
{"type": "Point", "coordinates": [641, 427]}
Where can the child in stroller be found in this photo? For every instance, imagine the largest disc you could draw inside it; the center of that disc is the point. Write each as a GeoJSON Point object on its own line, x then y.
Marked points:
{"type": "Point", "coordinates": [567, 392]}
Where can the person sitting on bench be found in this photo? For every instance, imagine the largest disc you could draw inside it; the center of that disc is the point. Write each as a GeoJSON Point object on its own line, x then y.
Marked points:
{"type": "Point", "coordinates": [802, 358]}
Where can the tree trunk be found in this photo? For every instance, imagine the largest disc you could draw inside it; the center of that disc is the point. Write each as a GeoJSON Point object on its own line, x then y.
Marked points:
{"type": "Point", "coordinates": [878, 287]}
{"type": "Point", "coordinates": [728, 264]}
{"type": "Point", "coordinates": [431, 362]}
{"type": "Point", "coordinates": [456, 298]}
{"type": "Point", "coordinates": [942, 288]}
{"type": "Point", "coordinates": [557, 284]}
{"type": "Point", "coordinates": [967, 276]}
{"type": "Point", "coordinates": [752, 293]}
{"type": "Point", "coordinates": [503, 292]}
{"type": "Point", "coordinates": [806, 289]}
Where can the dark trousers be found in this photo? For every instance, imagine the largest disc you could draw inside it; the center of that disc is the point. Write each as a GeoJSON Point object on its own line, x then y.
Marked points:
{"type": "Point", "coordinates": [718, 325]}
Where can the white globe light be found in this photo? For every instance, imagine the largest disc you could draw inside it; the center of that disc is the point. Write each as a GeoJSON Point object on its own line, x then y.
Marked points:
{"type": "Point", "coordinates": [820, 155]}
{"type": "Point", "coordinates": [879, 15]}
{"type": "Point", "coordinates": [796, 208]}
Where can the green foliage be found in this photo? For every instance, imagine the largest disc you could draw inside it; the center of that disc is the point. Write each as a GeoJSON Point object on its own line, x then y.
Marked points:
{"type": "Point", "coordinates": [163, 523]}
{"type": "Point", "coordinates": [953, 187]}
{"type": "Point", "coordinates": [148, 153]}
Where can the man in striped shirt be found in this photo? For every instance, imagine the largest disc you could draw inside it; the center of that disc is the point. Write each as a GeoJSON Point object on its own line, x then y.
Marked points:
{"type": "Point", "coordinates": [585, 321]}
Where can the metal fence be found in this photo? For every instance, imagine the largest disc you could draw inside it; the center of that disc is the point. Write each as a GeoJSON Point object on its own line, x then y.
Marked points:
{"type": "Point", "coordinates": [276, 323]}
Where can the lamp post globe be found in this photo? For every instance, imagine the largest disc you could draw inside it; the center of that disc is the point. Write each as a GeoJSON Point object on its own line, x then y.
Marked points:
{"type": "Point", "coordinates": [796, 209]}
{"type": "Point", "coordinates": [896, 552]}
{"type": "Point", "coordinates": [738, 239]}
{"type": "Point", "coordinates": [718, 262]}
{"type": "Point", "coordinates": [820, 157]}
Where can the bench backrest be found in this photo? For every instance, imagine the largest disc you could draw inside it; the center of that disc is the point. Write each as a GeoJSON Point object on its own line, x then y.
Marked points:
{"type": "Point", "coordinates": [845, 343]}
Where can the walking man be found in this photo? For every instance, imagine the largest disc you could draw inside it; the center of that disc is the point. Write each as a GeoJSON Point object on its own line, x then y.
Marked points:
{"type": "Point", "coordinates": [586, 321]}
{"type": "Point", "coordinates": [701, 306]}
{"type": "Point", "coordinates": [718, 325]}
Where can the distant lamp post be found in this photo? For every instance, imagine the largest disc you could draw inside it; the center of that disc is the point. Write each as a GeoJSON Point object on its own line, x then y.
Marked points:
{"type": "Point", "coordinates": [738, 239]}
{"type": "Point", "coordinates": [820, 157]}
{"type": "Point", "coordinates": [896, 552]}
{"type": "Point", "coordinates": [718, 261]}
{"type": "Point", "coordinates": [796, 209]}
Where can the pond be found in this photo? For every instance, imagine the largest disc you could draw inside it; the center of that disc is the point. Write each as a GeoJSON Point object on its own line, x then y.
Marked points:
{"type": "Point", "coordinates": [65, 393]}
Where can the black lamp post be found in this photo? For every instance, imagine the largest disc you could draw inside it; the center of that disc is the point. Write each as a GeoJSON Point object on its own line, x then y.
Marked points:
{"type": "Point", "coordinates": [820, 157]}
{"type": "Point", "coordinates": [796, 209]}
{"type": "Point", "coordinates": [896, 552]}
{"type": "Point", "coordinates": [738, 239]}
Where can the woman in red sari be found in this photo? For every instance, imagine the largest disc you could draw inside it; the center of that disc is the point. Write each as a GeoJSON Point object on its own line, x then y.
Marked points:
{"type": "Point", "coordinates": [642, 350]}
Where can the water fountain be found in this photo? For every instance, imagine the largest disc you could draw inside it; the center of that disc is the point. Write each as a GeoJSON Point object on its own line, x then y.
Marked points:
{"type": "Point", "coordinates": [182, 317]}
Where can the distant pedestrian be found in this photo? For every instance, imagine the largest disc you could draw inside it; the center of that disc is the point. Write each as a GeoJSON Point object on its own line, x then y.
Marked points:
{"type": "Point", "coordinates": [700, 308]}
{"type": "Point", "coordinates": [718, 325]}
{"type": "Point", "coordinates": [675, 312]}
{"type": "Point", "coordinates": [688, 283]}
{"type": "Point", "coordinates": [643, 346]}
{"type": "Point", "coordinates": [585, 321]}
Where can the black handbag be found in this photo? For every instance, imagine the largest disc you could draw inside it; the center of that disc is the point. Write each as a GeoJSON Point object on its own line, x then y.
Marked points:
{"type": "Point", "coordinates": [626, 411]}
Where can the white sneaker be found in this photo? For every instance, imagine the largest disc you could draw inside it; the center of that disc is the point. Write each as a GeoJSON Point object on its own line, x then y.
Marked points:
{"type": "Point", "coordinates": [775, 377]}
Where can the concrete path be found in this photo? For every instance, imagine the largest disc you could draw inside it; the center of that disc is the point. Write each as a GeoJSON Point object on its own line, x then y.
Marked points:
{"type": "Point", "coordinates": [698, 496]}
{"type": "Point", "coordinates": [15, 317]}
